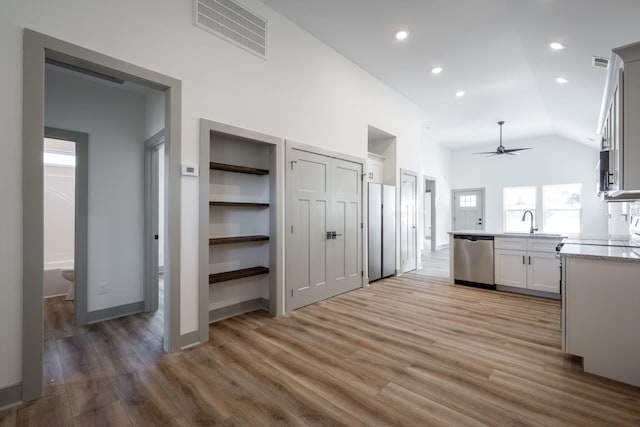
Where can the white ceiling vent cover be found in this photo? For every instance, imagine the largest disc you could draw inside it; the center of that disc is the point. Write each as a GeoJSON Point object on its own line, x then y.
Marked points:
{"type": "Point", "coordinates": [600, 62]}
{"type": "Point", "coordinates": [234, 23]}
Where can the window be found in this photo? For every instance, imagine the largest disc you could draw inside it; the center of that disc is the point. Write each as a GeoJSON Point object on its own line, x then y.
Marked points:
{"type": "Point", "coordinates": [516, 201]}
{"type": "Point", "coordinates": [468, 201]}
{"type": "Point", "coordinates": [562, 208]}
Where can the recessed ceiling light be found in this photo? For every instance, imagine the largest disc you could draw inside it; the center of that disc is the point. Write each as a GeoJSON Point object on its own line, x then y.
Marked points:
{"type": "Point", "coordinates": [562, 80]}
{"type": "Point", "coordinates": [436, 70]}
{"type": "Point", "coordinates": [402, 34]}
{"type": "Point", "coordinates": [460, 93]}
{"type": "Point", "coordinates": [556, 46]}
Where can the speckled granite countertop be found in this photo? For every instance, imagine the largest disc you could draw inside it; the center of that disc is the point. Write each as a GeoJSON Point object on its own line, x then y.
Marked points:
{"type": "Point", "coordinates": [503, 234]}
{"type": "Point", "coordinates": [601, 252]}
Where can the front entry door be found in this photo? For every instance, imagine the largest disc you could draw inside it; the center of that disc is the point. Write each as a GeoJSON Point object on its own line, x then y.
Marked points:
{"type": "Point", "coordinates": [324, 255]}
{"type": "Point", "coordinates": [468, 209]}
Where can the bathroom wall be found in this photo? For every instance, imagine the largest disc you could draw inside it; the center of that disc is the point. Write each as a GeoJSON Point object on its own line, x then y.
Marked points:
{"type": "Point", "coordinates": [59, 214]}
{"type": "Point", "coordinates": [59, 209]}
{"type": "Point", "coordinates": [115, 122]}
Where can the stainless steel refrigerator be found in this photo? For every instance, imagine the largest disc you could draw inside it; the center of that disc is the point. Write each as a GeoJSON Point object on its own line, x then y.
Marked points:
{"type": "Point", "coordinates": [382, 231]}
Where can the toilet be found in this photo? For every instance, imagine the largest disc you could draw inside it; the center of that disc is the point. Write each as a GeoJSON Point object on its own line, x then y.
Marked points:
{"type": "Point", "coordinates": [69, 275]}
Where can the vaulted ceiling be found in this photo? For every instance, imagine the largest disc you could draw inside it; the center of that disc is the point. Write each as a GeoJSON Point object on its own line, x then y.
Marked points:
{"type": "Point", "coordinates": [496, 51]}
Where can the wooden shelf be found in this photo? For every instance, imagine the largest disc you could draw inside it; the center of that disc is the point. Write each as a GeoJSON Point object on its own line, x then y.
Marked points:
{"type": "Point", "coordinates": [237, 239]}
{"type": "Point", "coordinates": [239, 169]}
{"type": "Point", "coordinates": [237, 274]}
{"type": "Point", "coordinates": [240, 204]}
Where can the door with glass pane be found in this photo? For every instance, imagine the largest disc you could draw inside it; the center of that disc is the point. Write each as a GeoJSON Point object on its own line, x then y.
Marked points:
{"type": "Point", "coordinates": [468, 209]}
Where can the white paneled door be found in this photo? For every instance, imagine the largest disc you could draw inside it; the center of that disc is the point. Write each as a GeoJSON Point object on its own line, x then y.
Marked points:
{"type": "Point", "coordinates": [408, 222]}
{"type": "Point", "coordinates": [324, 215]}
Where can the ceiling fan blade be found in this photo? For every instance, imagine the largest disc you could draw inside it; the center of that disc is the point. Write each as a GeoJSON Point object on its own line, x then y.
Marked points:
{"type": "Point", "coordinates": [486, 152]}
{"type": "Point", "coordinates": [509, 153]}
{"type": "Point", "coordinates": [510, 150]}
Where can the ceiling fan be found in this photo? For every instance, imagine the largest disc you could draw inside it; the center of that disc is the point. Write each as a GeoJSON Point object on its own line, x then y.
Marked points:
{"type": "Point", "coordinates": [501, 151]}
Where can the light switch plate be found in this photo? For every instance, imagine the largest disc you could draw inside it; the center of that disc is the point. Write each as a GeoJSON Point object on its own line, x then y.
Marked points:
{"type": "Point", "coordinates": [188, 170]}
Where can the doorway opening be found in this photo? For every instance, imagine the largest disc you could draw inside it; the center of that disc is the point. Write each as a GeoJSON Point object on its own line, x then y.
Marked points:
{"type": "Point", "coordinates": [408, 220]}
{"type": "Point", "coordinates": [59, 159]}
{"type": "Point", "coordinates": [429, 209]}
{"type": "Point", "coordinates": [40, 50]}
{"type": "Point", "coordinates": [65, 217]}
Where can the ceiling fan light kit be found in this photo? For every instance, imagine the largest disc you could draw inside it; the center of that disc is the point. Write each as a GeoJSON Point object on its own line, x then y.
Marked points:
{"type": "Point", "coordinates": [500, 150]}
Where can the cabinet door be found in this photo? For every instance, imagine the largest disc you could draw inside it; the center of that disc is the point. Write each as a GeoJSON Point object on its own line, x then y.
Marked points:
{"type": "Point", "coordinates": [374, 171]}
{"type": "Point", "coordinates": [543, 272]}
{"type": "Point", "coordinates": [510, 268]}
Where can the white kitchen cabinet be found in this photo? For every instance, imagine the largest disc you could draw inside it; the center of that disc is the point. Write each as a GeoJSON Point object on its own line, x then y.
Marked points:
{"type": "Point", "coordinates": [528, 263]}
{"type": "Point", "coordinates": [510, 268]}
{"type": "Point", "coordinates": [543, 272]}
{"type": "Point", "coordinates": [601, 316]}
{"type": "Point", "coordinates": [618, 125]}
{"type": "Point", "coordinates": [375, 168]}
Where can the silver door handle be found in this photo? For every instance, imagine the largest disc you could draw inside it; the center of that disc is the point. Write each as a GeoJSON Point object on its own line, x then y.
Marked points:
{"type": "Point", "coordinates": [333, 235]}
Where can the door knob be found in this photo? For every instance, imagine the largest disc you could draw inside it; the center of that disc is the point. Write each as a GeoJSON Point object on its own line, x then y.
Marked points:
{"type": "Point", "coordinates": [329, 235]}
{"type": "Point", "coordinates": [334, 235]}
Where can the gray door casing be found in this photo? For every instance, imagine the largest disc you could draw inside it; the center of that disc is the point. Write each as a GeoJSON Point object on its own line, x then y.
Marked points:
{"type": "Point", "coordinates": [37, 48]}
{"type": "Point", "coordinates": [151, 229]}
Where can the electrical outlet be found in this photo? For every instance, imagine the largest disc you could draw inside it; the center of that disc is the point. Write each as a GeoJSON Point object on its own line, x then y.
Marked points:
{"type": "Point", "coordinates": [104, 289]}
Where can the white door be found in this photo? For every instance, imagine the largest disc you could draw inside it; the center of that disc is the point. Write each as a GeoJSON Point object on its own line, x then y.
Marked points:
{"type": "Point", "coordinates": [468, 210]}
{"type": "Point", "coordinates": [324, 255]}
{"type": "Point", "coordinates": [408, 222]}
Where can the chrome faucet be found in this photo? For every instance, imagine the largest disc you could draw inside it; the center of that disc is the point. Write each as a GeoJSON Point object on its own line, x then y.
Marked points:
{"type": "Point", "coordinates": [524, 218]}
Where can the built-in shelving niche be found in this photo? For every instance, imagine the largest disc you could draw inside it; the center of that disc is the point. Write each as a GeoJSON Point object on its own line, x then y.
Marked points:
{"type": "Point", "coordinates": [239, 199]}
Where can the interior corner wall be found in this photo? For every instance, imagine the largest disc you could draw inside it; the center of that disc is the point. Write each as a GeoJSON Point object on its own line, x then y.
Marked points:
{"type": "Point", "coordinates": [437, 165]}
{"type": "Point", "coordinates": [304, 91]}
{"type": "Point", "coordinates": [154, 113]}
{"type": "Point", "coordinates": [553, 160]}
{"type": "Point", "coordinates": [115, 122]}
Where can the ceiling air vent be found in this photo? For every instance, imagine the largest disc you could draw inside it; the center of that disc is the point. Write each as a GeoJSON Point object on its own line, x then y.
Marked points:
{"type": "Point", "coordinates": [600, 62]}
{"type": "Point", "coordinates": [234, 23]}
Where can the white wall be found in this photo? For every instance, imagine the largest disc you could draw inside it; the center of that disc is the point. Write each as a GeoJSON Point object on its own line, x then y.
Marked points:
{"type": "Point", "coordinates": [304, 91]}
{"type": "Point", "coordinates": [115, 122]}
{"type": "Point", "coordinates": [436, 164]}
{"type": "Point", "coordinates": [553, 160]}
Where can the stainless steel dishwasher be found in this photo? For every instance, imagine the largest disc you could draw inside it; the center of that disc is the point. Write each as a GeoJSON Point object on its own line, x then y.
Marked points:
{"type": "Point", "coordinates": [473, 260]}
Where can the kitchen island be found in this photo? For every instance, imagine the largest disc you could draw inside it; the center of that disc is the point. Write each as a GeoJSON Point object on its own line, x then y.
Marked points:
{"type": "Point", "coordinates": [520, 262]}
{"type": "Point", "coordinates": [600, 307]}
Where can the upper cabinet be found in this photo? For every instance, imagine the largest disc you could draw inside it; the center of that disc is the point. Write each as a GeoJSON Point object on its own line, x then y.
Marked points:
{"type": "Point", "coordinates": [375, 168]}
{"type": "Point", "coordinates": [619, 125]}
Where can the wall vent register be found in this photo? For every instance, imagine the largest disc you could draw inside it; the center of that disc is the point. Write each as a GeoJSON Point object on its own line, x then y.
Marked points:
{"type": "Point", "coordinates": [234, 23]}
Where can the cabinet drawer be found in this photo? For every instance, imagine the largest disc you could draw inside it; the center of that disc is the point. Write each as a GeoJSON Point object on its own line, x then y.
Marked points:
{"type": "Point", "coordinates": [542, 245]}
{"type": "Point", "coordinates": [510, 243]}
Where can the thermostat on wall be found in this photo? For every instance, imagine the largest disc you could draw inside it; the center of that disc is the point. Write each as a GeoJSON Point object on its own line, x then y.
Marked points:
{"type": "Point", "coordinates": [188, 170]}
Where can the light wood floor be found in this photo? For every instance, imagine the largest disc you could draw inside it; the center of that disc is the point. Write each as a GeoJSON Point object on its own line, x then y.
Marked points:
{"type": "Point", "coordinates": [409, 350]}
{"type": "Point", "coordinates": [435, 263]}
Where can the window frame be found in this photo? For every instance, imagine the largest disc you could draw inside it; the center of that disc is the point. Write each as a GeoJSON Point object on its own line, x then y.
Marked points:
{"type": "Point", "coordinates": [505, 211]}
